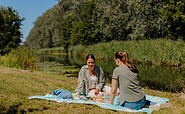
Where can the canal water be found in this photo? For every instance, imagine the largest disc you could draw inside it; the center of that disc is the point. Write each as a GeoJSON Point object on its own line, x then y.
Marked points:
{"type": "Point", "coordinates": [150, 76]}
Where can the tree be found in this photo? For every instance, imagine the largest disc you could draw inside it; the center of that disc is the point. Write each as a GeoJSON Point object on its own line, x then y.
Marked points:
{"type": "Point", "coordinates": [46, 30]}
{"type": "Point", "coordinates": [66, 32]}
{"type": "Point", "coordinates": [144, 19]}
{"type": "Point", "coordinates": [173, 15]}
{"type": "Point", "coordinates": [112, 19]}
{"type": "Point", "coordinates": [73, 22]}
{"type": "Point", "coordinates": [83, 27]}
{"type": "Point", "coordinates": [10, 34]}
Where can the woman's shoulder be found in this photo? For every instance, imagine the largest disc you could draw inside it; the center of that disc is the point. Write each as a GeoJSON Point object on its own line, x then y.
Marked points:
{"type": "Point", "coordinates": [121, 67]}
{"type": "Point", "coordinates": [98, 67]}
{"type": "Point", "coordinates": [84, 67]}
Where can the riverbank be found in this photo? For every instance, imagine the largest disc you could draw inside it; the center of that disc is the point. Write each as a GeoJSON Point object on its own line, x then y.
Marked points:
{"type": "Point", "coordinates": [17, 85]}
{"type": "Point", "coordinates": [161, 52]}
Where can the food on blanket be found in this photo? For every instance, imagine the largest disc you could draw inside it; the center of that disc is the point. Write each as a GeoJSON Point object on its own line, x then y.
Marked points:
{"type": "Point", "coordinates": [100, 98]}
{"type": "Point", "coordinates": [93, 98]}
{"type": "Point", "coordinates": [106, 97]}
{"type": "Point", "coordinates": [97, 99]}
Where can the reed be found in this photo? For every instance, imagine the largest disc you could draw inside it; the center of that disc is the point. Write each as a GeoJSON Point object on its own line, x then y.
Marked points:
{"type": "Point", "coordinates": [156, 51]}
{"type": "Point", "coordinates": [57, 50]}
{"type": "Point", "coordinates": [20, 58]}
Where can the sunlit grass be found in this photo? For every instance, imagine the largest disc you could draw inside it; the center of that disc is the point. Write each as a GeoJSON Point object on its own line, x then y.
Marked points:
{"type": "Point", "coordinates": [20, 58]}
{"type": "Point", "coordinates": [57, 50]}
{"type": "Point", "coordinates": [158, 52]}
{"type": "Point", "coordinates": [17, 85]}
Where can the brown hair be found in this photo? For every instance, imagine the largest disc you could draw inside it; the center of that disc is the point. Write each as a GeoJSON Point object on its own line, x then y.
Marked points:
{"type": "Point", "coordinates": [90, 56]}
{"type": "Point", "coordinates": [123, 56]}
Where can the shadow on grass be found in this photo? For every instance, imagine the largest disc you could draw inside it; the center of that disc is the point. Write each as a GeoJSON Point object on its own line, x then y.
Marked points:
{"type": "Point", "coordinates": [15, 109]}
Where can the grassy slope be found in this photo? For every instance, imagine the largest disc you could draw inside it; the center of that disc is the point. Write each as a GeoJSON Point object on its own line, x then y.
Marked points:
{"type": "Point", "coordinates": [17, 85]}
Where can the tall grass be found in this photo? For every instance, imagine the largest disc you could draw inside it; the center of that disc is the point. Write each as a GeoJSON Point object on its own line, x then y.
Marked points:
{"type": "Point", "coordinates": [57, 50]}
{"type": "Point", "coordinates": [159, 51]}
{"type": "Point", "coordinates": [20, 58]}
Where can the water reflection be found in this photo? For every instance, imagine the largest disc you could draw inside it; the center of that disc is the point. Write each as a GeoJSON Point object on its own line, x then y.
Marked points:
{"type": "Point", "coordinates": [153, 77]}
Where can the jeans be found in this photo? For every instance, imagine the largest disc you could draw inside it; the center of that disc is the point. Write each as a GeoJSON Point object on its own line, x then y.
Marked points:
{"type": "Point", "coordinates": [135, 105]}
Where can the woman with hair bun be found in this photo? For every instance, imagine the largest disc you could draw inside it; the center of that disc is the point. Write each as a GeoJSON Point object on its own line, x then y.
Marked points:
{"type": "Point", "coordinates": [125, 77]}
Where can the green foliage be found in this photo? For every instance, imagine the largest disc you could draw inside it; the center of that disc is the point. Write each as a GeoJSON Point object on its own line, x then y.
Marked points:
{"type": "Point", "coordinates": [66, 32]}
{"type": "Point", "coordinates": [80, 48]}
{"type": "Point", "coordinates": [58, 50]}
{"type": "Point", "coordinates": [78, 27]}
{"type": "Point", "coordinates": [83, 31]}
{"type": "Point", "coordinates": [20, 58]}
{"type": "Point", "coordinates": [144, 19]}
{"type": "Point", "coordinates": [112, 17]}
{"type": "Point", "coordinates": [173, 15]}
{"type": "Point", "coordinates": [10, 34]}
{"type": "Point", "coordinates": [158, 52]}
{"type": "Point", "coordinates": [74, 22]}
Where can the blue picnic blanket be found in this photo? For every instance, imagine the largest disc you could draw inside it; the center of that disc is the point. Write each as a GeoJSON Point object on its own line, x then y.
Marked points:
{"type": "Point", "coordinates": [151, 99]}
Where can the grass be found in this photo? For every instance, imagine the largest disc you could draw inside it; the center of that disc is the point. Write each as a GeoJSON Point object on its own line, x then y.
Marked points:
{"type": "Point", "coordinates": [17, 85]}
{"type": "Point", "coordinates": [57, 50]}
{"type": "Point", "coordinates": [20, 58]}
{"type": "Point", "coordinates": [156, 51]}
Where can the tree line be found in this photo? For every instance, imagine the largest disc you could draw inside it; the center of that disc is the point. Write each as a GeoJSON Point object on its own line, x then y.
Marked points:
{"type": "Point", "coordinates": [74, 22]}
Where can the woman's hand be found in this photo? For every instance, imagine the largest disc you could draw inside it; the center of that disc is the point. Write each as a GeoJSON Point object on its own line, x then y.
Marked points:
{"type": "Point", "coordinates": [108, 102]}
{"type": "Point", "coordinates": [113, 90]}
{"type": "Point", "coordinates": [77, 94]}
{"type": "Point", "coordinates": [96, 92]}
{"type": "Point", "coordinates": [117, 92]}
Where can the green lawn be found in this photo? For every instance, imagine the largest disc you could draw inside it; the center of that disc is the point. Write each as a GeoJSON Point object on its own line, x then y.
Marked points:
{"type": "Point", "coordinates": [17, 85]}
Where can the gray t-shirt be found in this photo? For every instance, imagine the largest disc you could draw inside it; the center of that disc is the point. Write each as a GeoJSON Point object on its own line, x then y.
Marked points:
{"type": "Point", "coordinates": [130, 90]}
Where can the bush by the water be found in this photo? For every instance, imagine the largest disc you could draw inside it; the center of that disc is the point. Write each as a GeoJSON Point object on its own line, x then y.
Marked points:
{"type": "Point", "coordinates": [20, 58]}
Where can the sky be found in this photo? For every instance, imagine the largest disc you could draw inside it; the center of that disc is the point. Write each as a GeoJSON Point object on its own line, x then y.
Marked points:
{"type": "Point", "coordinates": [30, 10]}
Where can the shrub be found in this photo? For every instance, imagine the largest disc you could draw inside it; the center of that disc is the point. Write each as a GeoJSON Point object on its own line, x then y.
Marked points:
{"type": "Point", "coordinates": [20, 58]}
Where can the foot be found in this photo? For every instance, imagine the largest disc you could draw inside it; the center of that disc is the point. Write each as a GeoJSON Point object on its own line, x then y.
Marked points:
{"type": "Point", "coordinates": [154, 107]}
{"type": "Point", "coordinates": [166, 105]}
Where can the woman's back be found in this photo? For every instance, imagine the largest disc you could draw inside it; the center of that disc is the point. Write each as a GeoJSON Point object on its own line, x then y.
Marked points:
{"type": "Point", "coordinates": [130, 90]}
